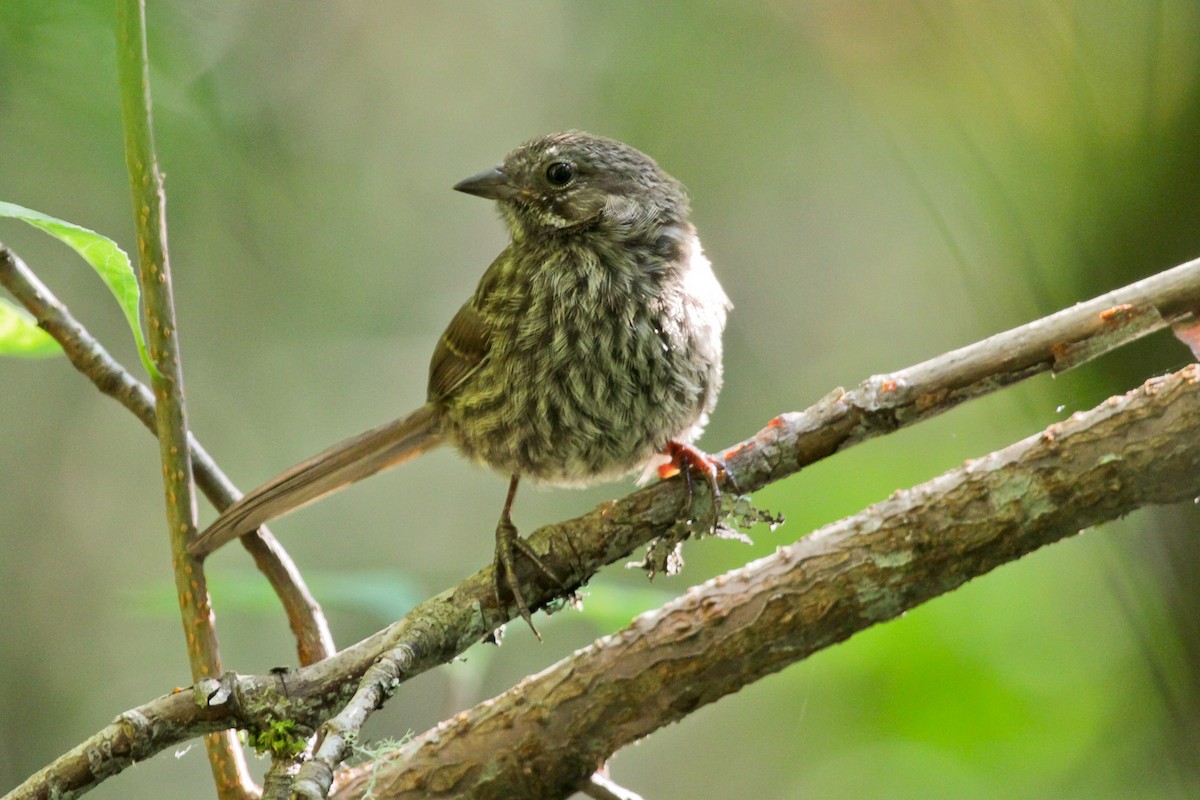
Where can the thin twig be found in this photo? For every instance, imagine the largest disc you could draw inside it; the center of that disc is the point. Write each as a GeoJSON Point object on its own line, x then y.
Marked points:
{"type": "Point", "coordinates": [884, 403]}
{"type": "Point", "coordinates": [154, 275]}
{"type": "Point", "coordinates": [337, 735]}
{"type": "Point", "coordinates": [313, 639]}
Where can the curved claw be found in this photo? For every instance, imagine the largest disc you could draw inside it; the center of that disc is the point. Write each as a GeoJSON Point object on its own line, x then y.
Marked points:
{"type": "Point", "coordinates": [507, 542]}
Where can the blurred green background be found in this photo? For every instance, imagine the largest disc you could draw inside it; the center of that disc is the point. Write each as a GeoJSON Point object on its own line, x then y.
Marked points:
{"type": "Point", "coordinates": [876, 183]}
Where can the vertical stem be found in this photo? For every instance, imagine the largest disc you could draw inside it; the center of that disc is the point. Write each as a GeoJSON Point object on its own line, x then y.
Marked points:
{"type": "Point", "coordinates": [225, 753]}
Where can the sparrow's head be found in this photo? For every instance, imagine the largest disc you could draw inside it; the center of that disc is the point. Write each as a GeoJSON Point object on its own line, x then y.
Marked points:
{"type": "Point", "coordinates": [573, 180]}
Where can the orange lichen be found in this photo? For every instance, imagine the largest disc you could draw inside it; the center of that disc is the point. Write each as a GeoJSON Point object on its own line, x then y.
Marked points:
{"type": "Point", "coordinates": [1117, 313]}
{"type": "Point", "coordinates": [739, 448]}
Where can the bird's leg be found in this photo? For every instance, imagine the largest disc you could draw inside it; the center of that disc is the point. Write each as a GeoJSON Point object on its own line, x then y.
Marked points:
{"type": "Point", "coordinates": [508, 541]}
{"type": "Point", "coordinates": [692, 462]}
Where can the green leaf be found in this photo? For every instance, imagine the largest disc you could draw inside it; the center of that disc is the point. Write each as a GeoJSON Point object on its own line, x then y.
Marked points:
{"type": "Point", "coordinates": [21, 337]}
{"type": "Point", "coordinates": [110, 262]}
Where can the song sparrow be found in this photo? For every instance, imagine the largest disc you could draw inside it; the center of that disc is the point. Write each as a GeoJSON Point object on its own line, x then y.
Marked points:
{"type": "Point", "coordinates": [591, 345]}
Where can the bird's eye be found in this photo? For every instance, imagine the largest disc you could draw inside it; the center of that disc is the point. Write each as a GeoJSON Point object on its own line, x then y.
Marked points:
{"type": "Point", "coordinates": [560, 173]}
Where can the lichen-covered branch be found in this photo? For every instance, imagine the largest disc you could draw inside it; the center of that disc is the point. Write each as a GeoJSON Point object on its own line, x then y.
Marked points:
{"type": "Point", "coordinates": [545, 737]}
{"type": "Point", "coordinates": [337, 734]}
{"type": "Point", "coordinates": [440, 628]}
{"type": "Point", "coordinates": [884, 403]}
{"type": "Point", "coordinates": [1129, 452]}
{"type": "Point", "coordinates": [134, 736]}
{"type": "Point", "coordinates": [444, 626]}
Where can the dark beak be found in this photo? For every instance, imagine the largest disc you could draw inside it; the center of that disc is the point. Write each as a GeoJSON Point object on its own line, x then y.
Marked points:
{"type": "Point", "coordinates": [491, 184]}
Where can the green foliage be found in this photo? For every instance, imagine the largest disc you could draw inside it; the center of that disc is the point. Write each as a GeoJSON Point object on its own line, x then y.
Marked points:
{"type": "Point", "coordinates": [21, 337]}
{"type": "Point", "coordinates": [110, 262]}
{"type": "Point", "coordinates": [280, 739]}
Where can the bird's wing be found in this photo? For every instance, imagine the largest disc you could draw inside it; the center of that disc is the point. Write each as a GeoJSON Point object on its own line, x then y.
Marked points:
{"type": "Point", "coordinates": [459, 352]}
{"type": "Point", "coordinates": [467, 340]}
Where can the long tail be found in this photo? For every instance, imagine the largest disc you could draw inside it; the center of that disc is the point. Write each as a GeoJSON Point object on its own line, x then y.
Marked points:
{"type": "Point", "coordinates": [341, 465]}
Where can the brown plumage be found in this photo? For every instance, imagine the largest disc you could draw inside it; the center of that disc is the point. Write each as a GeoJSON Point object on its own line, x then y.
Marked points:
{"type": "Point", "coordinates": [592, 341]}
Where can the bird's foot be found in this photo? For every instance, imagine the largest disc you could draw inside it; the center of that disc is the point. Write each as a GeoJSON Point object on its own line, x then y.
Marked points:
{"type": "Point", "coordinates": [693, 462]}
{"type": "Point", "coordinates": [665, 554]}
{"type": "Point", "coordinates": [508, 543]}
{"type": "Point", "coordinates": [730, 513]}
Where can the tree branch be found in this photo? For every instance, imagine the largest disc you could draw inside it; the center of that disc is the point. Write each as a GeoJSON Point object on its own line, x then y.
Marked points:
{"type": "Point", "coordinates": [1061, 341]}
{"type": "Point", "coordinates": [337, 734]}
{"type": "Point", "coordinates": [134, 736]}
{"type": "Point", "coordinates": [1128, 452]}
{"type": "Point", "coordinates": [444, 626]}
{"type": "Point", "coordinates": [546, 736]}
{"type": "Point", "coordinates": [440, 628]}
{"type": "Point", "coordinates": [313, 639]}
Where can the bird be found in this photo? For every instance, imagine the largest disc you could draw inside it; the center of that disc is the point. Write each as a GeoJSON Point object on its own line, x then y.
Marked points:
{"type": "Point", "coordinates": [590, 349]}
